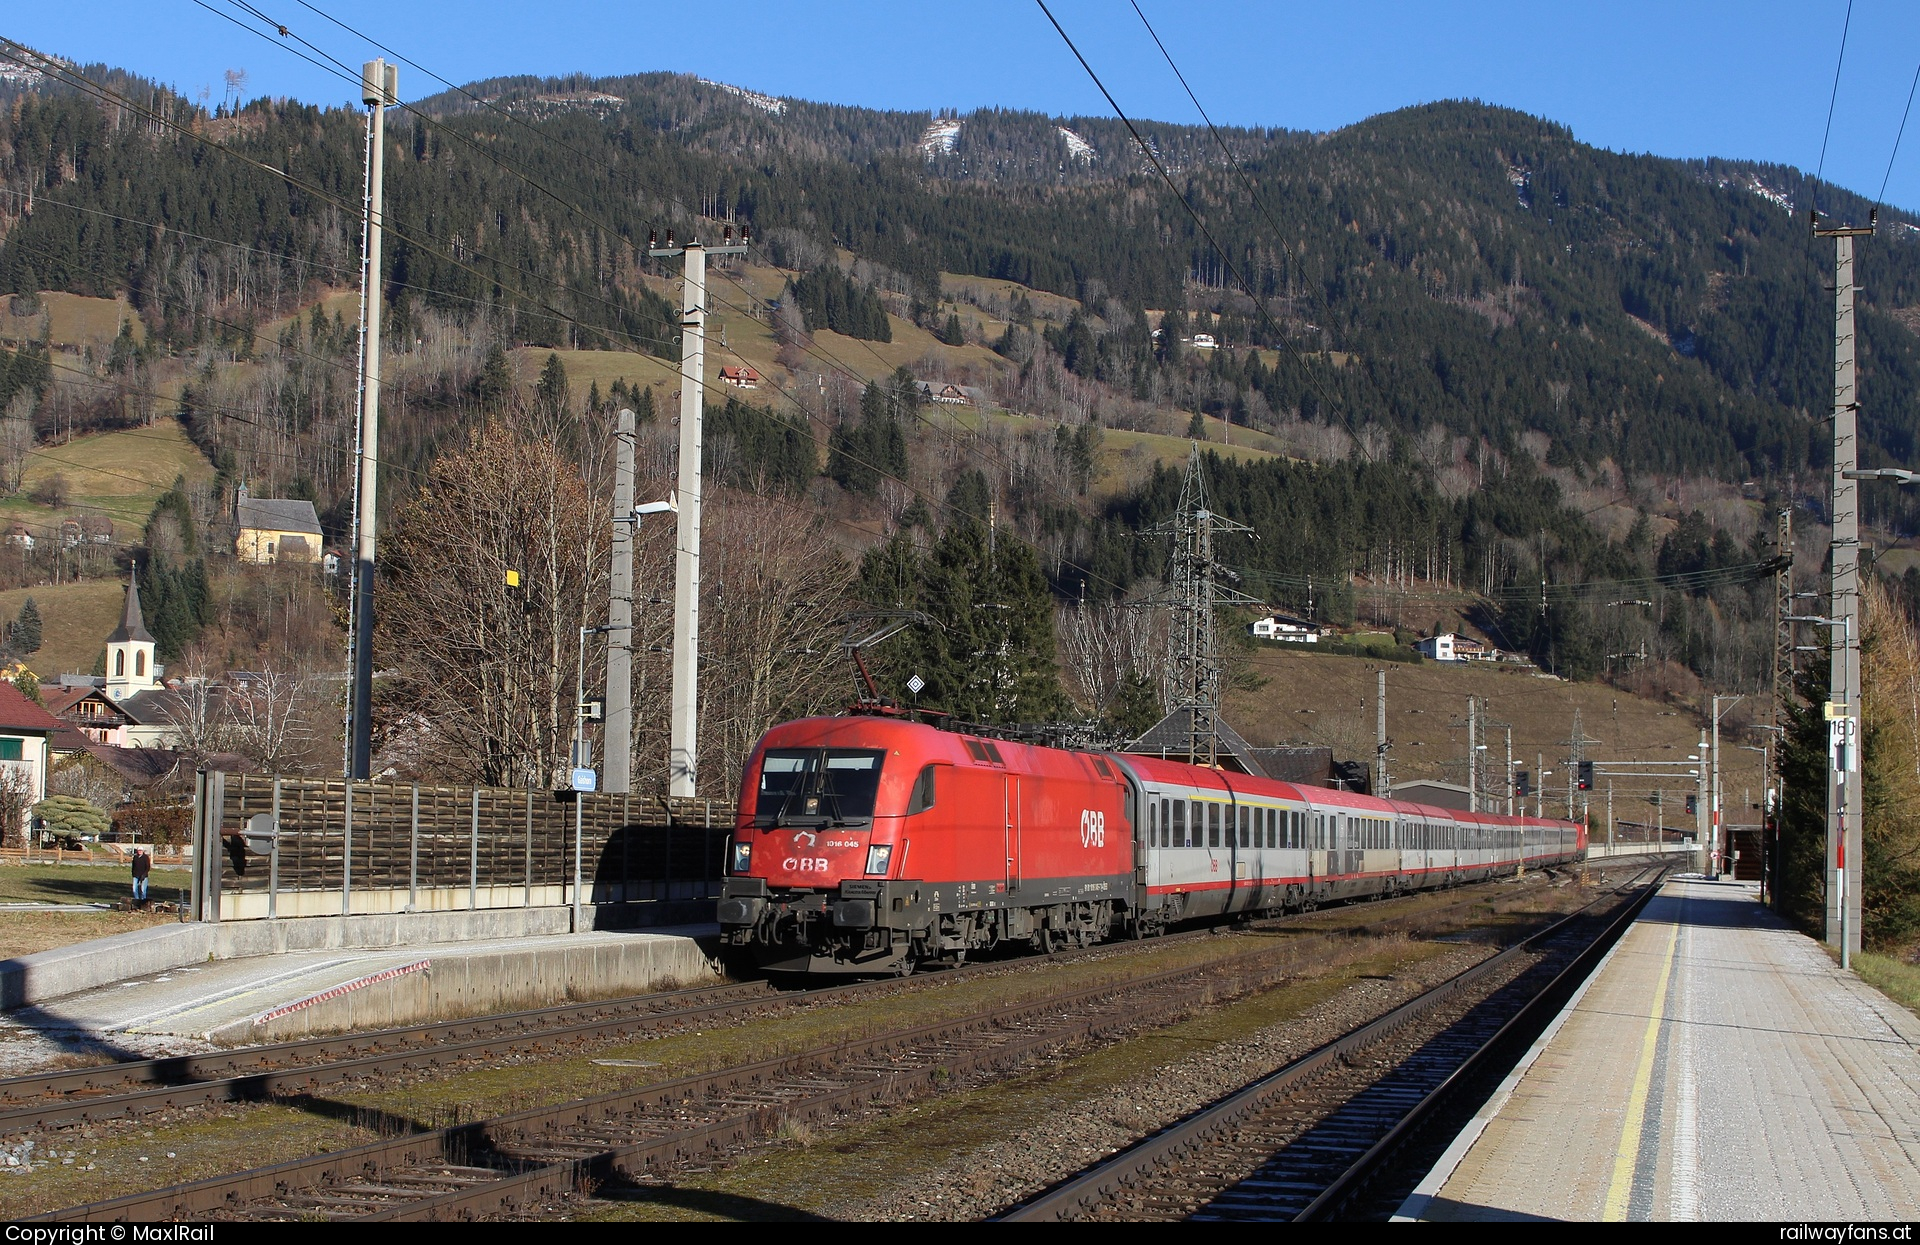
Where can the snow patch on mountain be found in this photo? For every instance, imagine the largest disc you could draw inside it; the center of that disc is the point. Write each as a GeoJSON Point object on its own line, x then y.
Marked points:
{"type": "Point", "coordinates": [939, 137]}
{"type": "Point", "coordinates": [765, 103]}
{"type": "Point", "coordinates": [1077, 147]}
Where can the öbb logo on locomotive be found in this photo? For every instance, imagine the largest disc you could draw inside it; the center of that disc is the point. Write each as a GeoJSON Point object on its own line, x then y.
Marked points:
{"type": "Point", "coordinates": [873, 844]}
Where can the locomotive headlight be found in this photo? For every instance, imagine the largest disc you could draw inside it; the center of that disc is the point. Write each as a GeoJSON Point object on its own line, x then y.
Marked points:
{"type": "Point", "coordinates": [742, 857]}
{"type": "Point", "coordinates": [877, 858]}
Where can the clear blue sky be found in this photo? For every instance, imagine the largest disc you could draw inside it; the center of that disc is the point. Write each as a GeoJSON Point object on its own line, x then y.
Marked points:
{"type": "Point", "coordinates": [1745, 80]}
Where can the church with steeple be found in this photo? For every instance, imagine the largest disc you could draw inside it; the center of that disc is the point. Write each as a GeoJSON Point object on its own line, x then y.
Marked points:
{"type": "Point", "coordinates": [130, 665]}
{"type": "Point", "coordinates": [130, 707]}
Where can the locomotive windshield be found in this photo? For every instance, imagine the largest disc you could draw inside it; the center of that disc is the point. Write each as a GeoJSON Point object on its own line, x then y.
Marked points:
{"type": "Point", "coordinates": [817, 785]}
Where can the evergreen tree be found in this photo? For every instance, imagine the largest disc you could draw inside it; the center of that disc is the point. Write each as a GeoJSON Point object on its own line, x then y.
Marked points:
{"type": "Point", "coordinates": [831, 299]}
{"type": "Point", "coordinates": [1197, 427]}
{"type": "Point", "coordinates": [26, 628]}
{"type": "Point", "coordinates": [969, 499]}
{"type": "Point", "coordinates": [1801, 865]}
{"type": "Point", "coordinates": [493, 390]}
{"type": "Point", "coordinates": [860, 454]}
{"type": "Point", "coordinates": [990, 655]}
{"type": "Point", "coordinates": [552, 396]}
{"type": "Point", "coordinates": [769, 452]}
{"type": "Point", "coordinates": [953, 334]}
{"type": "Point", "coordinates": [1135, 707]}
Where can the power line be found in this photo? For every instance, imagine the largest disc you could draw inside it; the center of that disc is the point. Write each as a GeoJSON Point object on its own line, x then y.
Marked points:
{"type": "Point", "coordinates": [1219, 140]}
{"type": "Point", "coordinates": [1833, 99]}
{"type": "Point", "coordinates": [811, 347]}
{"type": "Point", "coordinates": [1901, 133]}
{"type": "Point", "coordinates": [80, 82]}
{"type": "Point", "coordinates": [1246, 286]}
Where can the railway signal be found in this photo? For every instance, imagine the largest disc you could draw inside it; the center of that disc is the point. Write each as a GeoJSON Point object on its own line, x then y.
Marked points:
{"type": "Point", "coordinates": [1586, 775]}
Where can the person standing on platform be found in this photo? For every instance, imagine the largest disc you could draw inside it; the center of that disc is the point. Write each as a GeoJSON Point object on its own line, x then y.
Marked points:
{"type": "Point", "coordinates": [142, 866]}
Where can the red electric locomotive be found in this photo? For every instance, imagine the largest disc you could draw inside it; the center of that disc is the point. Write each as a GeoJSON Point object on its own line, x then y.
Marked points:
{"type": "Point", "coordinates": [870, 844]}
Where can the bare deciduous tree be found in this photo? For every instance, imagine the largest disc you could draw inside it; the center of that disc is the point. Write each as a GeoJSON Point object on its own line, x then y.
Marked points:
{"type": "Point", "coordinates": [1102, 646]}
{"type": "Point", "coordinates": [774, 590]}
{"type": "Point", "coordinates": [16, 798]}
{"type": "Point", "coordinates": [488, 662]}
{"type": "Point", "coordinates": [16, 440]}
{"type": "Point", "coordinates": [194, 718]}
{"type": "Point", "coordinates": [266, 715]}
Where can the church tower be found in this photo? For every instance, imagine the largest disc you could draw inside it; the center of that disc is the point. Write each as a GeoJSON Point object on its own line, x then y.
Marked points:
{"type": "Point", "coordinates": [130, 651]}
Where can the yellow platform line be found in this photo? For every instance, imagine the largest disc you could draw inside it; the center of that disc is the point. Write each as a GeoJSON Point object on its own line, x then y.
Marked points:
{"type": "Point", "coordinates": [1620, 1192]}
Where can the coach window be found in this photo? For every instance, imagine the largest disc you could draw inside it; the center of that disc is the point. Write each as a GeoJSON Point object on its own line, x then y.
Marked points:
{"type": "Point", "coordinates": [1213, 826]}
{"type": "Point", "coordinates": [1153, 825]}
{"type": "Point", "coordinates": [1178, 825]}
{"type": "Point", "coordinates": [1245, 816]}
{"type": "Point", "coordinates": [1272, 819]}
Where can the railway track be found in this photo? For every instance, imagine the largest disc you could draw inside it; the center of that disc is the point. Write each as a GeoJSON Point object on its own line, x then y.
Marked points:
{"type": "Point", "coordinates": [1308, 1141]}
{"type": "Point", "coordinates": [517, 1163]}
{"type": "Point", "coordinates": [289, 1069]}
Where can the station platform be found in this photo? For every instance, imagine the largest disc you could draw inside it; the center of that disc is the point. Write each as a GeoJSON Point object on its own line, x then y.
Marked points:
{"type": "Point", "coordinates": [185, 1008]}
{"type": "Point", "coordinates": [1717, 1066]}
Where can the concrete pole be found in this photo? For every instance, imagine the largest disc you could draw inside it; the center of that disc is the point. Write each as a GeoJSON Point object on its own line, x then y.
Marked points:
{"type": "Point", "coordinates": [581, 759]}
{"type": "Point", "coordinates": [1473, 755]}
{"type": "Point", "coordinates": [1510, 774]}
{"type": "Point", "coordinates": [1380, 737]}
{"type": "Point", "coordinates": [683, 744]}
{"type": "Point", "coordinates": [1609, 816]}
{"type": "Point", "coordinates": [1843, 797]}
{"type": "Point", "coordinates": [379, 84]}
{"type": "Point", "coordinates": [1713, 798]}
{"type": "Point", "coordinates": [618, 762]}
{"type": "Point", "coordinates": [1701, 801]}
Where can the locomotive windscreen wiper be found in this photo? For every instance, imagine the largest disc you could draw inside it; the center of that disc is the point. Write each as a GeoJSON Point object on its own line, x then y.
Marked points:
{"type": "Point", "coordinates": [817, 786]}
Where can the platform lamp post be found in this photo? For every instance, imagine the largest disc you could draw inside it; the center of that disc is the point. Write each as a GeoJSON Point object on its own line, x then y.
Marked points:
{"type": "Point", "coordinates": [1770, 825]}
{"type": "Point", "coordinates": [1766, 810]}
{"type": "Point", "coordinates": [583, 776]}
{"type": "Point", "coordinates": [1716, 851]}
{"type": "Point", "coordinates": [584, 710]}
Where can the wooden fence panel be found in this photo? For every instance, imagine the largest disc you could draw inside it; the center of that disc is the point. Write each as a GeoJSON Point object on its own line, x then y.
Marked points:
{"type": "Point", "coordinates": [633, 847]}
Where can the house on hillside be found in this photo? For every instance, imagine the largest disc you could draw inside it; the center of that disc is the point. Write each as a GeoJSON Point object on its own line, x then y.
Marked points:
{"type": "Point", "coordinates": [19, 537]}
{"type": "Point", "coordinates": [740, 377]}
{"type": "Point", "coordinates": [85, 529]}
{"type": "Point", "coordinates": [85, 708]}
{"type": "Point", "coordinates": [270, 530]}
{"type": "Point", "coordinates": [1451, 646]}
{"type": "Point", "coordinates": [1287, 628]}
{"type": "Point", "coordinates": [1204, 341]}
{"type": "Point", "coordinates": [950, 395]}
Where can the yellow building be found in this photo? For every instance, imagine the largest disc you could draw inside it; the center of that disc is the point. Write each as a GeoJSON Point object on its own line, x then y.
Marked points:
{"type": "Point", "coordinates": [270, 530]}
